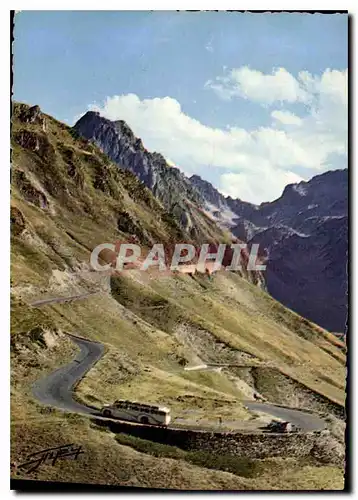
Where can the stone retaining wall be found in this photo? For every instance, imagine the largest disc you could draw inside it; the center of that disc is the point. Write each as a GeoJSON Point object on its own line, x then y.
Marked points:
{"type": "Point", "coordinates": [255, 445]}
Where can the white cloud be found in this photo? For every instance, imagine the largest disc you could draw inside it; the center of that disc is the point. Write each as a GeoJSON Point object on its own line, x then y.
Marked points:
{"type": "Point", "coordinates": [263, 184]}
{"type": "Point", "coordinates": [286, 117]}
{"type": "Point", "coordinates": [281, 86]}
{"type": "Point", "coordinates": [332, 84]}
{"type": "Point", "coordinates": [256, 164]}
{"type": "Point", "coordinates": [251, 84]}
{"type": "Point", "coordinates": [209, 47]}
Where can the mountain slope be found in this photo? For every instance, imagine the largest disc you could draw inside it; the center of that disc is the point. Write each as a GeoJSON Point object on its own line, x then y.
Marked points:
{"type": "Point", "coordinates": [304, 235]}
{"type": "Point", "coordinates": [66, 198]}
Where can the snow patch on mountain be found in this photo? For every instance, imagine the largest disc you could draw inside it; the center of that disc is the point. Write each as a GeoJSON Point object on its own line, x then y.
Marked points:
{"type": "Point", "coordinates": [221, 215]}
{"type": "Point", "coordinates": [298, 188]}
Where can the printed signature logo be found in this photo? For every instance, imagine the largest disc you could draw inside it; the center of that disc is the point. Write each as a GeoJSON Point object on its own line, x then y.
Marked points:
{"type": "Point", "coordinates": [51, 456]}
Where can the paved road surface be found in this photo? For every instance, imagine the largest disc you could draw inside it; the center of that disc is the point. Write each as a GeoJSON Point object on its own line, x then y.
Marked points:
{"type": "Point", "coordinates": [303, 420]}
{"type": "Point", "coordinates": [55, 300]}
{"type": "Point", "coordinates": [56, 389]}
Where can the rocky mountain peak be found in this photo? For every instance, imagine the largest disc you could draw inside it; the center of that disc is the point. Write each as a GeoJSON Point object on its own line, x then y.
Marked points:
{"type": "Point", "coordinates": [178, 195]}
{"type": "Point", "coordinates": [31, 114]}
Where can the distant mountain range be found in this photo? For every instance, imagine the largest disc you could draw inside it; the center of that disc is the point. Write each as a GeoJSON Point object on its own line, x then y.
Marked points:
{"type": "Point", "coordinates": [303, 234]}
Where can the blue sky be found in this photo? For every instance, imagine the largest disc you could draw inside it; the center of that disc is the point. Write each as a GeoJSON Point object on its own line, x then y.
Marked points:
{"type": "Point", "coordinates": [241, 99]}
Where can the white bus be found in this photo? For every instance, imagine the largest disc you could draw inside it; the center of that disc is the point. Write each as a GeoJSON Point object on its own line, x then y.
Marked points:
{"type": "Point", "coordinates": [137, 412]}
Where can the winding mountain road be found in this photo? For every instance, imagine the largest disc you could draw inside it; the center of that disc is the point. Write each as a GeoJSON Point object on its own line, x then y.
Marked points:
{"type": "Point", "coordinates": [300, 418]}
{"type": "Point", "coordinates": [57, 388]}
{"type": "Point", "coordinates": [56, 300]}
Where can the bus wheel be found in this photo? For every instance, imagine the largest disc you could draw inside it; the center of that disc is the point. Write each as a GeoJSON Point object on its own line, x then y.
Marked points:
{"type": "Point", "coordinates": [144, 420]}
{"type": "Point", "coordinates": [106, 413]}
